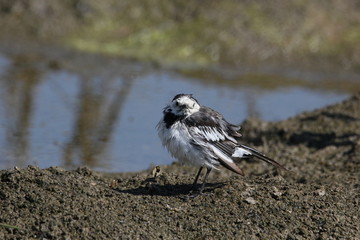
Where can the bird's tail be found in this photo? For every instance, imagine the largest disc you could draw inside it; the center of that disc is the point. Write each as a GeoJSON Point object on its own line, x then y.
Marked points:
{"type": "Point", "coordinates": [260, 155]}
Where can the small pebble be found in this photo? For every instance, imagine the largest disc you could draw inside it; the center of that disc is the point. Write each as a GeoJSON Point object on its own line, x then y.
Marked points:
{"type": "Point", "coordinates": [321, 192]}
{"type": "Point", "coordinates": [250, 200]}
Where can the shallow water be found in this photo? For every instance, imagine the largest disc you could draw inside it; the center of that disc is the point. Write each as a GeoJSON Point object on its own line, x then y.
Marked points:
{"type": "Point", "coordinates": [105, 117]}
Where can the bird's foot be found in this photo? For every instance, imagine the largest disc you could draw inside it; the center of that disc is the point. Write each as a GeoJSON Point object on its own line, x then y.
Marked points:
{"type": "Point", "coordinates": [192, 194]}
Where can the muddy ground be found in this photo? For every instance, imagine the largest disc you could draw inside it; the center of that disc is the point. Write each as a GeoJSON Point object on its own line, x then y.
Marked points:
{"type": "Point", "coordinates": [317, 199]}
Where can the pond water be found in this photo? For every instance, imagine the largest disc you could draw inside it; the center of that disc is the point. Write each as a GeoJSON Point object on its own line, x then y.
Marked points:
{"type": "Point", "coordinates": [102, 112]}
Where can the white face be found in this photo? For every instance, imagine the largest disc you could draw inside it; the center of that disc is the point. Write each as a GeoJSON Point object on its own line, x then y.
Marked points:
{"type": "Point", "coordinates": [184, 105]}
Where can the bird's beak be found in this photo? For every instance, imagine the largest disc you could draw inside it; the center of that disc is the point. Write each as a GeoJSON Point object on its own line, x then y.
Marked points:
{"type": "Point", "coordinates": [166, 109]}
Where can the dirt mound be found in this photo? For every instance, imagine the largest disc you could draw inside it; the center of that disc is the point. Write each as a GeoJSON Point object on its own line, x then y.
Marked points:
{"type": "Point", "coordinates": [317, 199]}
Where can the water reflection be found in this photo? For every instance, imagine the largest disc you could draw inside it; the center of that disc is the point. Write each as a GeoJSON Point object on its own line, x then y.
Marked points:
{"type": "Point", "coordinates": [59, 117]}
{"type": "Point", "coordinates": [19, 84]}
{"type": "Point", "coordinates": [97, 112]}
{"type": "Point", "coordinates": [102, 112]}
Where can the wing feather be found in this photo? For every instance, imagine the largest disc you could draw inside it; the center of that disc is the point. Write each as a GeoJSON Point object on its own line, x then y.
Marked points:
{"type": "Point", "coordinates": [226, 162]}
{"type": "Point", "coordinates": [221, 137]}
{"type": "Point", "coordinates": [227, 147]}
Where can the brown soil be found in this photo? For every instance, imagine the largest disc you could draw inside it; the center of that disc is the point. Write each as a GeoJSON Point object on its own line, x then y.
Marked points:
{"type": "Point", "coordinates": [317, 199]}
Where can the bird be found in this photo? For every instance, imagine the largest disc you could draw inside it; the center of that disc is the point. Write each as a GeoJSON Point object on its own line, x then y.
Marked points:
{"type": "Point", "coordinates": [198, 135]}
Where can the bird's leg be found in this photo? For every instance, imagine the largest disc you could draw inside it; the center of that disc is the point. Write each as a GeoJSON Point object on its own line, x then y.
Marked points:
{"type": "Point", "coordinates": [191, 193]}
{"type": "Point", "coordinates": [196, 178]}
{"type": "Point", "coordinates": [208, 170]}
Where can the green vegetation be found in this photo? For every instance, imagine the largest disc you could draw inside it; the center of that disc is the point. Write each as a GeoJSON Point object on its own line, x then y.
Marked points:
{"type": "Point", "coordinates": [8, 226]}
{"type": "Point", "coordinates": [227, 32]}
{"type": "Point", "coordinates": [200, 33]}
{"type": "Point", "coordinates": [169, 42]}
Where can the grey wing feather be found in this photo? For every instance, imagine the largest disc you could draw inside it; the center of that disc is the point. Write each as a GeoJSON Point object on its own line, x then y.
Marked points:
{"type": "Point", "coordinates": [227, 147]}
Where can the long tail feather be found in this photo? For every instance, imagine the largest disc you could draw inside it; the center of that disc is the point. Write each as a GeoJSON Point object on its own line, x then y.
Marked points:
{"type": "Point", "coordinates": [261, 156]}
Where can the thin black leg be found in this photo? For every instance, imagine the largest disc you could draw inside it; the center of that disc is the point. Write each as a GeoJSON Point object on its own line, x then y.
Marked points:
{"type": "Point", "coordinates": [192, 194]}
{"type": "Point", "coordinates": [208, 170]}
{"type": "Point", "coordinates": [197, 177]}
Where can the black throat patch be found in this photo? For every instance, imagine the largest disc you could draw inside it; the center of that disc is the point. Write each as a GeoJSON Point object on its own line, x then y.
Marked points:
{"type": "Point", "coordinates": [170, 119]}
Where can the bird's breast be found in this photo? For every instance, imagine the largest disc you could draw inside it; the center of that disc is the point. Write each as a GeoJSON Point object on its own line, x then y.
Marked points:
{"type": "Point", "coordinates": [177, 140]}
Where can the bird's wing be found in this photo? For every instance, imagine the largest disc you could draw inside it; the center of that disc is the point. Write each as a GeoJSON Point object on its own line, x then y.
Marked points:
{"type": "Point", "coordinates": [219, 135]}
{"type": "Point", "coordinates": [213, 125]}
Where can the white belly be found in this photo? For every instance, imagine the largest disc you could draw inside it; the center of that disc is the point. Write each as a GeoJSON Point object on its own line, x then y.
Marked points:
{"type": "Point", "coordinates": [177, 140]}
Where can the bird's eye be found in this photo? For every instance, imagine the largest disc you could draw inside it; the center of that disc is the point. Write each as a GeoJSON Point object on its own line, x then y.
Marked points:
{"type": "Point", "coordinates": [177, 103]}
{"type": "Point", "coordinates": [193, 104]}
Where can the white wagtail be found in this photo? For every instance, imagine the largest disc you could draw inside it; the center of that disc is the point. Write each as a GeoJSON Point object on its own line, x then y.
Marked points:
{"type": "Point", "coordinates": [200, 136]}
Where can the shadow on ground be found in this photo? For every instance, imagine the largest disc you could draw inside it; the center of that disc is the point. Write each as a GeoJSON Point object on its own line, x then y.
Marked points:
{"type": "Point", "coordinates": [152, 188]}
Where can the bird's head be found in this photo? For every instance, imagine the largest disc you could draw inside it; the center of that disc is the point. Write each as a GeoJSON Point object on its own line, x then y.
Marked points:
{"type": "Point", "coordinates": [182, 105]}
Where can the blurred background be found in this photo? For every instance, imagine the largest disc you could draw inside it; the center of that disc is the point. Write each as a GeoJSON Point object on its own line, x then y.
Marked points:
{"type": "Point", "coordinates": [84, 82]}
